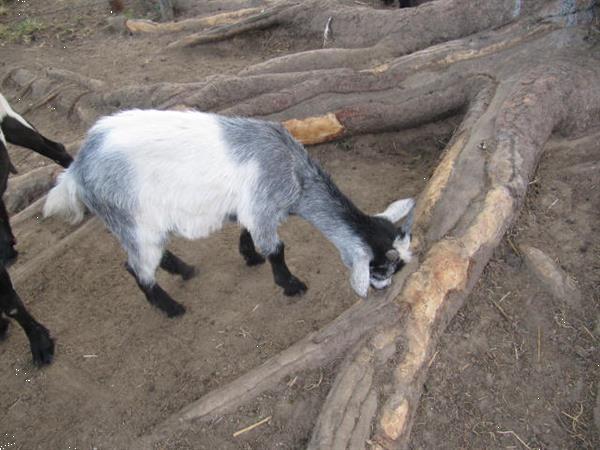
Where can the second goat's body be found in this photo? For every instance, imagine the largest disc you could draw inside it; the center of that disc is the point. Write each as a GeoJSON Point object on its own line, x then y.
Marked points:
{"type": "Point", "coordinates": [149, 174]}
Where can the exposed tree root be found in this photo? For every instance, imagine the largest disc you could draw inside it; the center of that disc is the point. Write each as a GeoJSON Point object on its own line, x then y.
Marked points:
{"type": "Point", "coordinates": [25, 189]}
{"type": "Point", "coordinates": [194, 24]}
{"type": "Point", "coordinates": [259, 21]}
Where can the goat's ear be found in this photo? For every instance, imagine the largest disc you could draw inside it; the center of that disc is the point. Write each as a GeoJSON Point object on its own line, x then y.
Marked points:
{"type": "Point", "coordinates": [398, 210]}
{"type": "Point", "coordinates": [360, 276]}
{"type": "Point", "coordinates": [406, 226]}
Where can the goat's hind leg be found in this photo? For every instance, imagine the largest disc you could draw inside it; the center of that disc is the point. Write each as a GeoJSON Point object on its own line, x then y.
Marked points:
{"type": "Point", "coordinates": [248, 251]}
{"type": "Point", "coordinates": [174, 265]}
{"type": "Point", "coordinates": [144, 259]}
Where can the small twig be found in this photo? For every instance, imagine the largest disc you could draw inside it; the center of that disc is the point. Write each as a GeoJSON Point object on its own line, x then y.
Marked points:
{"type": "Point", "coordinates": [252, 427]}
{"type": "Point", "coordinates": [432, 359]}
{"type": "Point", "coordinates": [516, 436]}
{"type": "Point", "coordinates": [539, 344]}
{"type": "Point", "coordinates": [513, 246]}
{"type": "Point", "coordinates": [256, 307]}
{"type": "Point", "coordinates": [590, 333]}
{"type": "Point", "coordinates": [499, 308]}
{"type": "Point", "coordinates": [504, 297]}
{"type": "Point", "coordinates": [312, 386]}
{"type": "Point", "coordinates": [292, 381]}
{"type": "Point", "coordinates": [327, 33]}
{"type": "Point", "coordinates": [575, 419]}
{"type": "Point", "coordinates": [244, 333]}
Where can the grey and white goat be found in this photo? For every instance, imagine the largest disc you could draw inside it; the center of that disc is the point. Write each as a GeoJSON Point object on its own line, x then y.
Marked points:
{"type": "Point", "coordinates": [150, 174]}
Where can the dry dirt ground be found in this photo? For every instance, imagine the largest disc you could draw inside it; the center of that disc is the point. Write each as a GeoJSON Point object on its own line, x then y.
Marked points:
{"type": "Point", "coordinates": [517, 368]}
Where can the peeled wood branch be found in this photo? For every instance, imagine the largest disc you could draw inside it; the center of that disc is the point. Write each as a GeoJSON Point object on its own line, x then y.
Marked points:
{"type": "Point", "coordinates": [264, 19]}
{"type": "Point", "coordinates": [193, 24]}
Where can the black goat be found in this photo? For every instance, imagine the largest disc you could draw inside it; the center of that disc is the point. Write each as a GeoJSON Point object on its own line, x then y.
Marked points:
{"type": "Point", "coordinates": [16, 130]}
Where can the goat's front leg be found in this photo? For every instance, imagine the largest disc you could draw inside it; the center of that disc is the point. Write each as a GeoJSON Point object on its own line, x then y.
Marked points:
{"type": "Point", "coordinates": [248, 251]}
{"type": "Point", "coordinates": [282, 275]}
{"type": "Point", "coordinates": [40, 342]}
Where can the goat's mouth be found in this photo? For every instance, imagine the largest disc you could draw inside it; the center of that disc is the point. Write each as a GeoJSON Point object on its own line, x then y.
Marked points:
{"type": "Point", "coordinates": [380, 283]}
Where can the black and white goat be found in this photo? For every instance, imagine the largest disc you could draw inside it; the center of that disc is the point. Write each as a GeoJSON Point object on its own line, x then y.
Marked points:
{"type": "Point", "coordinates": [150, 174]}
{"type": "Point", "coordinates": [15, 129]}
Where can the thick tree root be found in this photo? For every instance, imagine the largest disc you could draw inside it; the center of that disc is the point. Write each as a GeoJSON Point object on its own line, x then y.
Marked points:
{"type": "Point", "coordinates": [25, 189]}
{"type": "Point", "coordinates": [259, 21]}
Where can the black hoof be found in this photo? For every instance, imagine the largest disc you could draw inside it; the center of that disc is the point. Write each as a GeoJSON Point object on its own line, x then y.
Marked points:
{"type": "Point", "coordinates": [188, 273]}
{"type": "Point", "coordinates": [3, 328]}
{"type": "Point", "coordinates": [254, 260]}
{"type": "Point", "coordinates": [173, 310]}
{"type": "Point", "coordinates": [42, 347]}
{"type": "Point", "coordinates": [294, 287]}
{"type": "Point", "coordinates": [165, 303]}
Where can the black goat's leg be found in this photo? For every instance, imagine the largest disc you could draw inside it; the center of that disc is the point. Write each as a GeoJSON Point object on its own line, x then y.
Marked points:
{"type": "Point", "coordinates": [282, 275]}
{"type": "Point", "coordinates": [157, 296]}
{"type": "Point", "coordinates": [248, 251]}
{"type": "Point", "coordinates": [3, 327]}
{"type": "Point", "coordinates": [19, 134]}
{"type": "Point", "coordinates": [173, 264]}
{"type": "Point", "coordinates": [40, 342]}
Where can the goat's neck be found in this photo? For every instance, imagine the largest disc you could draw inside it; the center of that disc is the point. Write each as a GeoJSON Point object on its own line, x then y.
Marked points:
{"type": "Point", "coordinates": [333, 214]}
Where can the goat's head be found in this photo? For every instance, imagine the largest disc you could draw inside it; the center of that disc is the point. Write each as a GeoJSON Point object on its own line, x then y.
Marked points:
{"type": "Point", "coordinates": [389, 247]}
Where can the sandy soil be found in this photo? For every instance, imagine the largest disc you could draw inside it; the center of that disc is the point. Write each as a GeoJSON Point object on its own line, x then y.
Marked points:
{"type": "Point", "coordinates": [121, 367]}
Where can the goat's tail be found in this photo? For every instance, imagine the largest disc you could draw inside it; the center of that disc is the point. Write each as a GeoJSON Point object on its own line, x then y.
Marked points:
{"type": "Point", "coordinates": [63, 199]}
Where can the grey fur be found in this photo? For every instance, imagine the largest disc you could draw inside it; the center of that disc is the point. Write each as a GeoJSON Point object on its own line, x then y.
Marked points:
{"type": "Point", "coordinates": [292, 183]}
{"type": "Point", "coordinates": [107, 188]}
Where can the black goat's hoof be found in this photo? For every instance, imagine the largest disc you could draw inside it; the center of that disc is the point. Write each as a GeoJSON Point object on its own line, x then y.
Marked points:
{"type": "Point", "coordinates": [254, 260]}
{"type": "Point", "coordinates": [188, 273]}
{"type": "Point", "coordinates": [174, 310]}
{"type": "Point", "coordinates": [294, 287]}
{"type": "Point", "coordinates": [3, 328]}
{"type": "Point", "coordinates": [42, 348]}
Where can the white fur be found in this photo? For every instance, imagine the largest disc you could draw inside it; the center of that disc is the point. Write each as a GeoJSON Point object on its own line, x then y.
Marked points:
{"type": "Point", "coordinates": [6, 110]}
{"type": "Point", "coordinates": [403, 247]}
{"type": "Point", "coordinates": [63, 201]}
{"type": "Point", "coordinates": [398, 209]}
{"type": "Point", "coordinates": [359, 278]}
{"type": "Point", "coordinates": [191, 192]}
